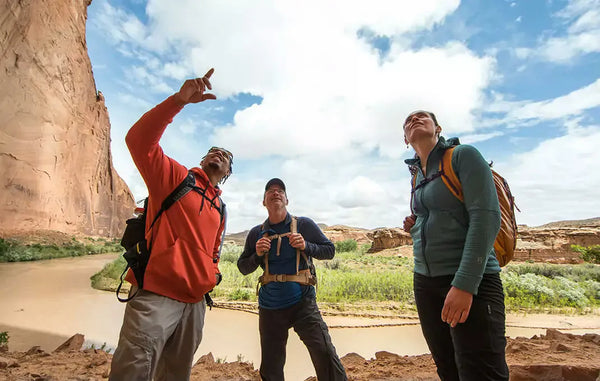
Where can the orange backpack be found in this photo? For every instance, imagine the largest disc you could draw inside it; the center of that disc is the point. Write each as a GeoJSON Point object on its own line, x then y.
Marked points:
{"type": "Point", "coordinates": [506, 240]}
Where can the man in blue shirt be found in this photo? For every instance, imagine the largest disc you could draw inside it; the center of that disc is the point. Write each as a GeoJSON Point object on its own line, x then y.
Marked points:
{"type": "Point", "coordinates": [284, 247]}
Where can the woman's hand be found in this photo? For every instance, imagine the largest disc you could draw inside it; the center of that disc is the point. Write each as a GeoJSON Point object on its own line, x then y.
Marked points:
{"type": "Point", "coordinates": [456, 306]}
{"type": "Point", "coordinates": [409, 222]}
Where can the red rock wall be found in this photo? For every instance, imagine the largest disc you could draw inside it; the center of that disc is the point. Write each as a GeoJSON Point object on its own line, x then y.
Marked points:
{"type": "Point", "coordinates": [56, 169]}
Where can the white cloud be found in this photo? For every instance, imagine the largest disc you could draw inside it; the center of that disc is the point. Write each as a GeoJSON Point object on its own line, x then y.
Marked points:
{"type": "Point", "coordinates": [474, 138]}
{"type": "Point", "coordinates": [574, 103]}
{"type": "Point", "coordinates": [360, 191]}
{"type": "Point", "coordinates": [556, 180]}
{"type": "Point", "coordinates": [582, 35]}
{"type": "Point", "coordinates": [317, 78]}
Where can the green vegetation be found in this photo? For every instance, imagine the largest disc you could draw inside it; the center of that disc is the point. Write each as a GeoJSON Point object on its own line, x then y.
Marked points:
{"type": "Point", "coordinates": [4, 338]}
{"type": "Point", "coordinates": [109, 277]}
{"type": "Point", "coordinates": [589, 254]}
{"type": "Point", "coordinates": [12, 250]}
{"type": "Point", "coordinates": [357, 278]}
{"type": "Point", "coordinates": [104, 347]}
{"type": "Point", "coordinates": [346, 246]}
{"type": "Point", "coordinates": [543, 287]}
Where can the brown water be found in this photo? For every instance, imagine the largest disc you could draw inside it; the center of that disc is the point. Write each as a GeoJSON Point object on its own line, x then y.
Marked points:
{"type": "Point", "coordinates": [43, 303]}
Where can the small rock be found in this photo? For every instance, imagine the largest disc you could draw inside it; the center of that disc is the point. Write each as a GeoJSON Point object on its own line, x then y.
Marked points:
{"type": "Point", "coordinates": [206, 359]}
{"type": "Point", "coordinates": [592, 337]}
{"type": "Point", "coordinates": [387, 356]}
{"type": "Point", "coordinates": [516, 347]}
{"type": "Point", "coordinates": [72, 344]}
{"type": "Point", "coordinates": [35, 350]}
{"type": "Point", "coordinates": [7, 363]}
{"type": "Point", "coordinates": [559, 347]}
{"type": "Point", "coordinates": [554, 334]}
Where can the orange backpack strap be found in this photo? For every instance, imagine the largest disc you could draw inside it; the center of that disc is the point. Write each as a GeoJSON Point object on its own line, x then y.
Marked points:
{"type": "Point", "coordinates": [449, 176]}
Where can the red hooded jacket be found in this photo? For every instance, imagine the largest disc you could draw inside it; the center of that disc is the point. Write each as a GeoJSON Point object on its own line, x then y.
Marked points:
{"type": "Point", "coordinates": [186, 238]}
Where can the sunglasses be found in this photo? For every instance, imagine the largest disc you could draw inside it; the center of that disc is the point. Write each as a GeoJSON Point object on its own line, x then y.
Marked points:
{"type": "Point", "coordinates": [227, 154]}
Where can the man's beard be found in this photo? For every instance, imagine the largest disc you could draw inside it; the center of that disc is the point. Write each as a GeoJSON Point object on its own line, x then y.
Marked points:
{"type": "Point", "coordinates": [213, 165]}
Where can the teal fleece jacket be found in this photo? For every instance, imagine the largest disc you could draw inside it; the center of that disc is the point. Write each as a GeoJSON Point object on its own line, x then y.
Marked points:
{"type": "Point", "coordinates": [451, 237]}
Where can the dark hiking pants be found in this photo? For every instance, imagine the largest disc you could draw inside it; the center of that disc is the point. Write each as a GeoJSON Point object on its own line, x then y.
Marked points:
{"type": "Point", "coordinates": [473, 350]}
{"type": "Point", "coordinates": [306, 320]}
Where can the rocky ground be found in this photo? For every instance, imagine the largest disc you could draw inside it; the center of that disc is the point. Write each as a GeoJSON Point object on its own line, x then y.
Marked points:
{"type": "Point", "coordinates": [553, 356]}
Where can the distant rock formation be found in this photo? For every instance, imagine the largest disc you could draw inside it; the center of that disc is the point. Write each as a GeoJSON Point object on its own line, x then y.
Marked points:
{"type": "Point", "coordinates": [338, 233]}
{"type": "Point", "coordinates": [56, 169]}
{"type": "Point", "coordinates": [386, 238]}
{"type": "Point", "coordinates": [553, 244]}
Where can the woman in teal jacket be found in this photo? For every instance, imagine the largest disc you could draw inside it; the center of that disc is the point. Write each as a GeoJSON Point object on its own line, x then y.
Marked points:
{"type": "Point", "coordinates": [458, 291]}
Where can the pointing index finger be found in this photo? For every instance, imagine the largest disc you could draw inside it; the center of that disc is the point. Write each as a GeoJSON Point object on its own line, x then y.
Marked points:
{"type": "Point", "coordinates": [206, 78]}
{"type": "Point", "coordinates": [209, 73]}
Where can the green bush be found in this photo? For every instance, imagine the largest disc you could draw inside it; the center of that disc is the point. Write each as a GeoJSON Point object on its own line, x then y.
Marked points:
{"type": "Point", "coordinates": [346, 246]}
{"type": "Point", "coordinates": [578, 273]}
{"type": "Point", "coordinates": [364, 248]}
{"type": "Point", "coordinates": [4, 338]}
{"type": "Point", "coordinates": [230, 253]}
{"type": "Point", "coordinates": [532, 291]}
{"type": "Point", "coordinates": [240, 294]}
{"type": "Point", "coordinates": [590, 254]}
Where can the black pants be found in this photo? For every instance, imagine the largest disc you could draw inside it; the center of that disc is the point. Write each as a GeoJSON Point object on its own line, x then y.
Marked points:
{"type": "Point", "coordinates": [312, 330]}
{"type": "Point", "coordinates": [473, 350]}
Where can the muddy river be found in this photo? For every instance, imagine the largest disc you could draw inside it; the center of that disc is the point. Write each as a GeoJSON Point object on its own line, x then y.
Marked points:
{"type": "Point", "coordinates": [43, 303]}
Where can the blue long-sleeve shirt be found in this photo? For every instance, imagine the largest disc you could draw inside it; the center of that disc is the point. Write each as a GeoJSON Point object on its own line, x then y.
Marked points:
{"type": "Point", "coordinates": [279, 295]}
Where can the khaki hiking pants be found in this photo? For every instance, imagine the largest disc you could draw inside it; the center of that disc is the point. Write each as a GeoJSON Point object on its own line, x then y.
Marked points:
{"type": "Point", "coordinates": [158, 339]}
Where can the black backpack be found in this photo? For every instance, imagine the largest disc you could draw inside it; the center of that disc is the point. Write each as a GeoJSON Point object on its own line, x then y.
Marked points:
{"type": "Point", "coordinates": [134, 240]}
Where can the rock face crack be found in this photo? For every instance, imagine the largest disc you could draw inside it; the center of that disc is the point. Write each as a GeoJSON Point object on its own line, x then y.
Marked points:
{"type": "Point", "coordinates": [56, 168]}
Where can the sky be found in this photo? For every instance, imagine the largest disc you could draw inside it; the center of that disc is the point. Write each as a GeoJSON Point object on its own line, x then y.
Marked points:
{"type": "Point", "coordinates": [316, 92]}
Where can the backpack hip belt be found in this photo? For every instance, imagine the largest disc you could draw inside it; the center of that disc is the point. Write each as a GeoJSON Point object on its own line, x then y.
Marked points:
{"type": "Point", "coordinates": [302, 277]}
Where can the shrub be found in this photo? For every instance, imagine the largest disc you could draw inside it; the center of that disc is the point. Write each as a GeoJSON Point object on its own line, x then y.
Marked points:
{"type": "Point", "coordinates": [589, 254]}
{"type": "Point", "coordinates": [578, 273]}
{"type": "Point", "coordinates": [240, 294]}
{"type": "Point", "coordinates": [230, 253]}
{"type": "Point", "coordinates": [4, 338]}
{"type": "Point", "coordinates": [333, 264]}
{"type": "Point", "coordinates": [539, 292]}
{"type": "Point", "coordinates": [364, 248]}
{"type": "Point", "coordinates": [346, 246]}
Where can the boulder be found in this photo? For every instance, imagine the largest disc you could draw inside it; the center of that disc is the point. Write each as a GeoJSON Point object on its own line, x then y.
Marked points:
{"type": "Point", "coordinates": [387, 238]}
{"type": "Point", "coordinates": [74, 343]}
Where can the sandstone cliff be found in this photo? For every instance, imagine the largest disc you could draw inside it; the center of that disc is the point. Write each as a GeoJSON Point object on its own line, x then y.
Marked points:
{"type": "Point", "coordinates": [56, 168]}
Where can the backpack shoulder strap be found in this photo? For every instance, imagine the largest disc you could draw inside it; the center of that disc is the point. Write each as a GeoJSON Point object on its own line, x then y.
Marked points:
{"type": "Point", "coordinates": [449, 176]}
{"type": "Point", "coordinates": [182, 189]}
{"type": "Point", "coordinates": [294, 229]}
{"type": "Point", "coordinates": [294, 225]}
{"type": "Point", "coordinates": [222, 210]}
{"type": "Point", "coordinates": [223, 213]}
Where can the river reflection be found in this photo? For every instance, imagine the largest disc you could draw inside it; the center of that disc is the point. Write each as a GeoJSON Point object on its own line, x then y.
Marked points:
{"type": "Point", "coordinates": [43, 303]}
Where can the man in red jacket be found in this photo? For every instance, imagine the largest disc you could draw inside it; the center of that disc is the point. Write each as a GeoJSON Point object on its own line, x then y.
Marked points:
{"type": "Point", "coordinates": [162, 326]}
